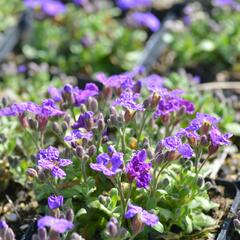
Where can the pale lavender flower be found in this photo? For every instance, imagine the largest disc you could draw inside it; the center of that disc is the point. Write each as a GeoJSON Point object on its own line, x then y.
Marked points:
{"type": "Point", "coordinates": [77, 135]}
{"type": "Point", "coordinates": [50, 159]}
{"type": "Point", "coordinates": [144, 216]}
{"type": "Point", "coordinates": [59, 225]}
{"type": "Point", "coordinates": [108, 163]}
{"type": "Point", "coordinates": [55, 94]}
{"type": "Point", "coordinates": [217, 138]}
{"type": "Point", "coordinates": [55, 201]}
{"type": "Point", "coordinates": [132, 4]}
{"type": "Point", "coordinates": [128, 101]}
{"type": "Point", "coordinates": [140, 19]}
{"type": "Point", "coordinates": [154, 83]}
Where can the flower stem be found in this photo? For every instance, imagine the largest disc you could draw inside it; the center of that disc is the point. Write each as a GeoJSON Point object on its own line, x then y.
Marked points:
{"type": "Point", "coordinates": [144, 119]}
{"type": "Point", "coordinates": [122, 134]}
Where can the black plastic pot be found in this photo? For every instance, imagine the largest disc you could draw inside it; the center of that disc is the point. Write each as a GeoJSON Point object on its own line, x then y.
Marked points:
{"type": "Point", "coordinates": [15, 35]}
{"type": "Point", "coordinates": [227, 229]}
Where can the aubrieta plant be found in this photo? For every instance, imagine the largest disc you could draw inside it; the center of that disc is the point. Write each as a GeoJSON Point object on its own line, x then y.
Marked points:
{"type": "Point", "coordinates": [118, 163]}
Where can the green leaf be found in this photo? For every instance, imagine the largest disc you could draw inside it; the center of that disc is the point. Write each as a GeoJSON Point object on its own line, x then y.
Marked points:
{"type": "Point", "coordinates": [81, 212]}
{"type": "Point", "coordinates": [189, 224]}
{"type": "Point", "coordinates": [200, 220]}
{"type": "Point", "coordinates": [96, 204]}
{"type": "Point", "coordinates": [166, 213]}
{"type": "Point", "coordinates": [114, 197]}
{"type": "Point", "coordinates": [158, 227]}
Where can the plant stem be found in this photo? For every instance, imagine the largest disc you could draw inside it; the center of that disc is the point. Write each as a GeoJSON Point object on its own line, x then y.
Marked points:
{"type": "Point", "coordinates": [42, 139]}
{"type": "Point", "coordinates": [83, 165]}
{"type": "Point", "coordinates": [122, 134]}
{"type": "Point", "coordinates": [144, 119]}
{"type": "Point", "coordinates": [73, 114]}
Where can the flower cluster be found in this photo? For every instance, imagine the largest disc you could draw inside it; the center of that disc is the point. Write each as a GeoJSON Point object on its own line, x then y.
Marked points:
{"type": "Point", "coordinates": [109, 163]}
{"type": "Point", "coordinates": [139, 170]}
{"type": "Point", "coordinates": [49, 159]}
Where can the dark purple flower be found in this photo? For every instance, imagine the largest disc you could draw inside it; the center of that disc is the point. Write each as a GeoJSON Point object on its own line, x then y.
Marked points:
{"type": "Point", "coordinates": [59, 225]}
{"type": "Point", "coordinates": [50, 159]}
{"type": "Point", "coordinates": [174, 144]}
{"type": "Point", "coordinates": [217, 138]}
{"type": "Point", "coordinates": [127, 100]}
{"type": "Point", "coordinates": [154, 83]}
{"type": "Point", "coordinates": [145, 217]}
{"type": "Point", "coordinates": [81, 96]}
{"type": "Point", "coordinates": [3, 224]}
{"type": "Point", "coordinates": [171, 102]}
{"type": "Point", "coordinates": [139, 170]}
{"type": "Point", "coordinates": [141, 19]}
{"type": "Point", "coordinates": [84, 120]}
{"type": "Point", "coordinates": [55, 94]}
{"type": "Point", "coordinates": [200, 120]}
{"type": "Point", "coordinates": [109, 163]}
{"type": "Point", "coordinates": [131, 4]}
{"type": "Point", "coordinates": [55, 201]}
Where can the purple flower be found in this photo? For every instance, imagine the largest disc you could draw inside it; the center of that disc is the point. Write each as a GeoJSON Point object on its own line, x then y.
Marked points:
{"type": "Point", "coordinates": [55, 201]}
{"type": "Point", "coordinates": [80, 96]}
{"type": "Point", "coordinates": [154, 83]}
{"type": "Point", "coordinates": [22, 68]}
{"type": "Point", "coordinates": [80, 2]}
{"type": "Point", "coordinates": [3, 224]}
{"type": "Point", "coordinates": [84, 120]}
{"type": "Point", "coordinates": [131, 4]}
{"type": "Point", "coordinates": [59, 225]}
{"type": "Point", "coordinates": [140, 19]}
{"type": "Point", "coordinates": [145, 217]}
{"type": "Point", "coordinates": [49, 159]}
{"type": "Point", "coordinates": [139, 170]}
{"type": "Point", "coordinates": [127, 100]}
{"type": "Point", "coordinates": [18, 108]}
{"type": "Point", "coordinates": [217, 138]}
{"type": "Point", "coordinates": [174, 144]}
{"type": "Point", "coordinates": [200, 120]}
{"type": "Point", "coordinates": [55, 94]}
{"type": "Point", "coordinates": [51, 8]}
{"type": "Point", "coordinates": [171, 102]}
{"type": "Point", "coordinates": [109, 163]}
{"type": "Point", "coordinates": [77, 135]}
{"type": "Point", "coordinates": [221, 3]}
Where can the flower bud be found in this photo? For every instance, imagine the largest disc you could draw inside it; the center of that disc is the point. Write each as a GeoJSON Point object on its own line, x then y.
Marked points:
{"type": "Point", "coordinates": [92, 150]}
{"type": "Point", "coordinates": [4, 101]}
{"type": "Point", "coordinates": [128, 115]}
{"type": "Point", "coordinates": [94, 105]}
{"type": "Point", "coordinates": [155, 100]}
{"type": "Point", "coordinates": [137, 225]}
{"type": "Point", "coordinates": [42, 234]}
{"type": "Point", "coordinates": [113, 111]}
{"type": "Point", "coordinates": [107, 93]}
{"type": "Point", "coordinates": [113, 120]}
{"type": "Point", "coordinates": [67, 119]}
{"type": "Point", "coordinates": [112, 229]}
{"type": "Point", "coordinates": [80, 152]}
{"type": "Point", "coordinates": [10, 234]}
{"type": "Point", "coordinates": [165, 119]}
{"type": "Point", "coordinates": [212, 149]}
{"type": "Point", "coordinates": [204, 140]}
{"type": "Point", "coordinates": [33, 124]}
{"type": "Point", "coordinates": [146, 103]}
{"type": "Point", "coordinates": [172, 155]}
{"type": "Point", "coordinates": [133, 143]}
{"type": "Point", "coordinates": [104, 139]}
{"type": "Point", "coordinates": [35, 237]}
{"type": "Point", "coordinates": [70, 215]}
{"type": "Point", "coordinates": [83, 108]}
{"type": "Point", "coordinates": [56, 128]}
{"type": "Point", "coordinates": [31, 172]}
{"type": "Point", "coordinates": [23, 120]}
{"type": "Point", "coordinates": [76, 236]}
{"type": "Point", "coordinates": [205, 128]}
{"type": "Point", "coordinates": [101, 125]}
{"type": "Point", "coordinates": [137, 87]}
{"type": "Point", "coordinates": [53, 235]}
{"type": "Point", "coordinates": [64, 126]}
